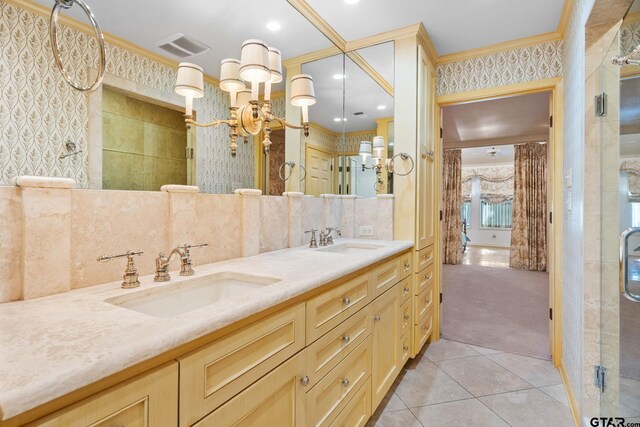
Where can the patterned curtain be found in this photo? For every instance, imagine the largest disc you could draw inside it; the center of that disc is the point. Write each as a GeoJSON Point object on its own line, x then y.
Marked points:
{"type": "Point", "coordinates": [529, 228]}
{"type": "Point", "coordinates": [452, 201]}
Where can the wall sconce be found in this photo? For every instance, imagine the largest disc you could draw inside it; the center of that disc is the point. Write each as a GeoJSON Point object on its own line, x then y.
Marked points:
{"type": "Point", "coordinates": [248, 115]}
{"type": "Point", "coordinates": [376, 150]}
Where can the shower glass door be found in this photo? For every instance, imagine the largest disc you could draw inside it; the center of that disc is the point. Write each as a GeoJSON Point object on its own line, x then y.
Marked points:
{"type": "Point", "coordinates": [620, 272]}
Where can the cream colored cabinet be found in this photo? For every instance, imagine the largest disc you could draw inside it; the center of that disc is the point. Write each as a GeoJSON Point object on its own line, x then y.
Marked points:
{"type": "Point", "coordinates": [145, 401]}
{"type": "Point", "coordinates": [277, 399]}
{"type": "Point", "coordinates": [358, 410]}
{"type": "Point", "coordinates": [386, 276]}
{"type": "Point", "coordinates": [423, 330]}
{"type": "Point", "coordinates": [386, 344]}
{"type": "Point", "coordinates": [211, 375]}
{"type": "Point", "coordinates": [424, 279]}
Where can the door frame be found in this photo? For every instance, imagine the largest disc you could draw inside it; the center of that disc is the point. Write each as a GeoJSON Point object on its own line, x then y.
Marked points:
{"type": "Point", "coordinates": [555, 190]}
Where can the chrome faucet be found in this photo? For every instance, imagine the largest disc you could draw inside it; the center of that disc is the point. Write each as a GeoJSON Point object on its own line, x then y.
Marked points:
{"type": "Point", "coordinates": [326, 238]}
{"type": "Point", "coordinates": [186, 265]}
{"type": "Point", "coordinates": [130, 278]}
{"type": "Point", "coordinates": [313, 243]}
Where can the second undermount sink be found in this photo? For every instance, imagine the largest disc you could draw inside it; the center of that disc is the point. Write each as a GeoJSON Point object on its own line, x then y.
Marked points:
{"type": "Point", "coordinates": [191, 294]}
{"type": "Point", "coordinates": [351, 248]}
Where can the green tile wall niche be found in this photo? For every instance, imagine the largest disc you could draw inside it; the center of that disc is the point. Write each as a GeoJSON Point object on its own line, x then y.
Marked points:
{"type": "Point", "coordinates": [143, 145]}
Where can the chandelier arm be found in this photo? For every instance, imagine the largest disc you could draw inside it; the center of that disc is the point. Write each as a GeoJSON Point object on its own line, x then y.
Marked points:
{"type": "Point", "coordinates": [206, 125]}
{"type": "Point", "coordinates": [283, 122]}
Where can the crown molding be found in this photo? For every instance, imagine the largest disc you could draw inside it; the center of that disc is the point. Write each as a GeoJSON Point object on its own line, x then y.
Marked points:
{"type": "Point", "coordinates": [425, 41]}
{"type": "Point", "coordinates": [320, 128]}
{"type": "Point", "coordinates": [367, 68]}
{"type": "Point", "coordinates": [565, 16]}
{"type": "Point", "coordinates": [113, 40]}
{"type": "Point", "coordinates": [500, 47]}
{"type": "Point", "coordinates": [408, 31]}
{"type": "Point", "coordinates": [632, 18]}
{"type": "Point", "coordinates": [490, 142]}
{"type": "Point", "coordinates": [318, 21]}
{"type": "Point", "coordinates": [312, 56]}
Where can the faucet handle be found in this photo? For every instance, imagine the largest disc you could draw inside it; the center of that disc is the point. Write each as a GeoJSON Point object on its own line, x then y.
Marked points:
{"type": "Point", "coordinates": [186, 268]}
{"type": "Point", "coordinates": [197, 245]}
{"type": "Point", "coordinates": [313, 243]}
{"type": "Point", "coordinates": [130, 278]}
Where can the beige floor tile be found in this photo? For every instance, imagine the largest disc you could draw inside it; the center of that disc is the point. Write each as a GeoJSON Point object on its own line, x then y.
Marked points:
{"type": "Point", "coordinates": [630, 393]}
{"type": "Point", "coordinates": [426, 384]}
{"type": "Point", "coordinates": [534, 371]}
{"type": "Point", "coordinates": [557, 392]}
{"type": "Point", "coordinates": [482, 376]}
{"type": "Point", "coordinates": [391, 402]}
{"type": "Point", "coordinates": [470, 412]}
{"type": "Point", "coordinates": [484, 350]}
{"type": "Point", "coordinates": [529, 408]}
{"type": "Point", "coordinates": [445, 349]}
{"type": "Point", "coordinates": [402, 418]}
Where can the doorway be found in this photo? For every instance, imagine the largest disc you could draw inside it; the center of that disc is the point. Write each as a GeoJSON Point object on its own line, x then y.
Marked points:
{"type": "Point", "coordinates": [495, 238]}
{"type": "Point", "coordinates": [319, 165]}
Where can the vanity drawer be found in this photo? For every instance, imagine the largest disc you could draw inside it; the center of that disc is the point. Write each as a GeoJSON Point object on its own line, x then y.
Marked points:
{"type": "Point", "coordinates": [405, 346]}
{"type": "Point", "coordinates": [423, 279]}
{"type": "Point", "coordinates": [405, 265]}
{"type": "Point", "coordinates": [424, 258]}
{"type": "Point", "coordinates": [147, 400]}
{"type": "Point", "coordinates": [332, 393]}
{"type": "Point", "coordinates": [423, 331]}
{"type": "Point", "coordinates": [215, 373]}
{"type": "Point", "coordinates": [385, 276]}
{"type": "Point", "coordinates": [329, 309]}
{"type": "Point", "coordinates": [406, 319]}
{"type": "Point", "coordinates": [324, 354]}
{"type": "Point", "coordinates": [405, 289]}
{"type": "Point", "coordinates": [358, 410]}
{"type": "Point", "coordinates": [423, 303]}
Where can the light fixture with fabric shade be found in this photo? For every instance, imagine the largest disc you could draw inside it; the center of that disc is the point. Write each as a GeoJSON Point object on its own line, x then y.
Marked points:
{"type": "Point", "coordinates": [365, 150]}
{"type": "Point", "coordinates": [378, 147]}
{"type": "Point", "coordinates": [230, 78]}
{"type": "Point", "coordinates": [190, 84]}
{"type": "Point", "coordinates": [303, 94]}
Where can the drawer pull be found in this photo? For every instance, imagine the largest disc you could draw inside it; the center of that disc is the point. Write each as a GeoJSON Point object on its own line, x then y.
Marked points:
{"type": "Point", "coordinates": [405, 348]}
{"type": "Point", "coordinates": [406, 317]}
{"type": "Point", "coordinates": [377, 318]}
{"type": "Point", "coordinates": [346, 300]}
{"type": "Point", "coordinates": [406, 290]}
{"type": "Point", "coordinates": [305, 380]}
{"type": "Point", "coordinates": [406, 266]}
{"type": "Point", "coordinates": [425, 327]}
{"type": "Point", "coordinates": [345, 382]}
{"type": "Point", "coordinates": [346, 339]}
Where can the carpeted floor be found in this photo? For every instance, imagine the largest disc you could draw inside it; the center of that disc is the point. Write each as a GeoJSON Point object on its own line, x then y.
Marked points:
{"type": "Point", "coordinates": [498, 308]}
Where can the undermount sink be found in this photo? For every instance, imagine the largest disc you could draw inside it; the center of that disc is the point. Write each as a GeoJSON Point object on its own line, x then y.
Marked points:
{"type": "Point", "coordinates": [192, 294]}
{"type": "Point", "coordinates": [350, 248]}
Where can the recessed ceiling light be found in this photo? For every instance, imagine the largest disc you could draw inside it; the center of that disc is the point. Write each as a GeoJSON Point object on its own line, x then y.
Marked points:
{"type": "Point", "coordinates": [273, 26]}
{"type": "Point", "coordinates": [338, 76]}
{"type": "Point", "coordinates": [352, 1]}
{"type": "Point", "coordinates": [382, 107]}
{"type": "Point", "coordinates": [344, 120]}
{"type": "Point", "coordinates": [337, 119]}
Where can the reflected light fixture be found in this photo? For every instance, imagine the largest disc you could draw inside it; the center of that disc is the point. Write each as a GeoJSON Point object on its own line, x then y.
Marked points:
{"type": "Point", "coordinates": [338, 76]}
{"type": "Point", "coordinates": [376, 150]}
{"type": "Point", "coordinates": [258, 64]}
{"type": "Point", "coordinates": [382, 107]}
{"type": "Point", "coordinates": [274, 26]}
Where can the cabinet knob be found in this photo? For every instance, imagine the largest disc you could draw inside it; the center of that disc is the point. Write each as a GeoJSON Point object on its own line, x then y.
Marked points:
{"type": "Point", "coordinates": [345, 382]}
{"type": "Point", "coordinates": [405, 349]}
{"type": "Point", "coordinates": [376, 318]}
{"type": "Point", "coordinates": [346, 339]}
{"type": "Point", "coordinates": [406, 290]}
{"type": "Point", "coordinates": [305, 380]}
{"type": "Point", "coordinates": [346, 300]}
{"type": "Point", "coordinates": [406, 266]}
{"type": "Point", "coordinates": [406, 317]}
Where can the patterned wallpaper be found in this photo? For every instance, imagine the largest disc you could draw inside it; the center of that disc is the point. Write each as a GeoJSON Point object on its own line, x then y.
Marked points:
{"type": "Point", "coordinates": [318, 137]}
{"type": "Point", "coordinates": [629, 37]}
{"type": "Point", "coordinates": [500, 69]}
{"type": "Point", "coordinates": [352, 142]}
{"type": "Point", "coordinates": [39, 112]}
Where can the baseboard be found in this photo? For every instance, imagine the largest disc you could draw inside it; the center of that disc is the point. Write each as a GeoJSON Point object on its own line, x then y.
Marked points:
{"type": "Point", "coordinates": [573, 403]}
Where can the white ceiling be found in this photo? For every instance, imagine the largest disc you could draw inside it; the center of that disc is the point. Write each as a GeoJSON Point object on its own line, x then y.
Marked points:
{"type": "Point", "coordinates": [453, 25]}
{"type": "Point", "coordinates": [221, 24]}
{"type": "Point", "coordinates": [362, 94]}
{"type": "Point", "coordinates": [517, 116]}
{"type": "Point", "coordinates": [478, 156]}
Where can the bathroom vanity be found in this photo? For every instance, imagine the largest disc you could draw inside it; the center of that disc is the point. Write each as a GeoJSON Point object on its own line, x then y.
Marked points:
{"type": "Point", "coordinates": [304, 337]}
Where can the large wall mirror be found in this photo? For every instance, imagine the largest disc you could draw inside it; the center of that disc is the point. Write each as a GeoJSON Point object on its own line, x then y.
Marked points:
{"type": "Point", "coordinates": [130, 133]}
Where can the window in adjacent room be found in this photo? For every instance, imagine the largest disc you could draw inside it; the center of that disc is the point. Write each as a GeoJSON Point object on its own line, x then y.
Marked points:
{"type": "Point", "coordinates": [496, 215]}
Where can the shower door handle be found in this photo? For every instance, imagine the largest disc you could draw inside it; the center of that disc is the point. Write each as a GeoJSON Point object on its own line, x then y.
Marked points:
{"type": "Point", "coordinates": [624, 272]}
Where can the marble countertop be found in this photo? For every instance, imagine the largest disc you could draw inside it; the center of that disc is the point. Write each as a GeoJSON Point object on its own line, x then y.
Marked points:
{"type": "Point", "coordinates": [54, 345]}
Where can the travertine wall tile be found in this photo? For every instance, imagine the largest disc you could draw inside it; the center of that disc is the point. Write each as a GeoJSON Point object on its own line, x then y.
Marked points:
{"type": "Point", "coordinates": [274, 224]}
{"type": "Point", "coordinates": [295, 218]}
{"type": "Point", "coordinates": [384, 224]}
{"type": "Point", "coordinates": [47, 240]}
{"type": "Point", "coordinates": [11, 243]}
{"type": "Point", "coordinates": [312, 214]}
{"type": "Point", "coordinates": [113, 222]}
{"type": "Point", "coordinates": [219, 224]}
{"type": "Point", "coordinates": [250, 221]}
{"type": "Point", "coordinates": [347, 216]}
{"type": "Point", "coordinates": [366, 213]}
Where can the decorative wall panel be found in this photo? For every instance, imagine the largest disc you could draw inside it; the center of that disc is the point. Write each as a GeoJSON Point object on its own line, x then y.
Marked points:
{"type": "Point", "coordinates": [520, 65]}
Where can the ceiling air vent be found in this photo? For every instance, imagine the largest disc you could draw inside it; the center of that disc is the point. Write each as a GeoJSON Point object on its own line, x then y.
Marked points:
{"type": "Point", "coordinates": [360, 115]}
{"type": "Point", "coordinates": [182, 46]}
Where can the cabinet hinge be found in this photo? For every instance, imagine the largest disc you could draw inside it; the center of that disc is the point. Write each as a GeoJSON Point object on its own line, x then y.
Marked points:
{"type": "Point", "coordinates": [550, 217]}
{"type": "Point", "coordinates": [440, 133]}
{"type": "Point", "coordinates": [550, 121]}
{"type": "Point", "coordinates": [189, 153]}
{"type": "Point", "coordinates": [550, 313]}
{"type": "Point", "coordinates": [331, 168]}
{"type": "Point", "coordinates": [441, 215]}
{"type": "Point", "coordinates": [599, 377]}
{"type": "Point", "coordinates": [601, 105]}
{"type": "Point", "coordinates": [440, 297]}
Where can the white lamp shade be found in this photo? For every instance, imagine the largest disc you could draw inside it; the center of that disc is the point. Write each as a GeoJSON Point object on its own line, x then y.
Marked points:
{"type": "Point", "coordinates": [254, 62]}
{"type": "Point", "coordinates": [365, 149]}
{"type": "Point", "coordinates": [275, 63]}
{"type": "Point", "coordinates": [230, 76]}
{"type": "Point", "coordinates": [244, 96]}
{"type": "Point", "coordinates": [378, 146]}
{"type": "Point", "coordinates": [190, 80]}
{"type": "Point", "coordinates": [302, 93]}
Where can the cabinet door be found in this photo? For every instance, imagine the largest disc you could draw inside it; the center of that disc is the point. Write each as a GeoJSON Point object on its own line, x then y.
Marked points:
{"type": "Point", "coordinates": [386, 348]}
{"type": "Point", "coordinates": [358, 410]}
{"type": "Point", "coordinates": [275, 400]}
{"type": "Point", "coordinates": [147, 400]}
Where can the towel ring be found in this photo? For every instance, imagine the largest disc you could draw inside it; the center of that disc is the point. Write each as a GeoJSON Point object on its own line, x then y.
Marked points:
{"type": "Point", "coordinates": [53, 34]}
{"type": "Point", "coordinates": [291, 166]}
{"type": "Point", "coordinates": [403, 156]}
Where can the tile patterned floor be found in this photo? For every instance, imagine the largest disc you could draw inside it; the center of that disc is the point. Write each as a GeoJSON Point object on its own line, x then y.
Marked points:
{"type": "Point", "coordinates": [455, 384]}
